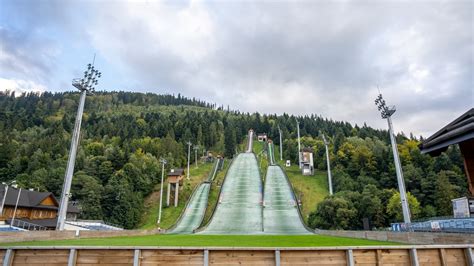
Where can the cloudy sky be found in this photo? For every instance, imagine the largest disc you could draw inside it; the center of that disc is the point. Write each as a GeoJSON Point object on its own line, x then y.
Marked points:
{"type": "Point", "coordinates": [298, 57]}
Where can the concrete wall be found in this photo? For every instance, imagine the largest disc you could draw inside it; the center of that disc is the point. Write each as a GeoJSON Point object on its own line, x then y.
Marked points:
{"type": "Point", "coordinates": [418, 238]}
{"type": "Point", "coordinates": [6, 237]}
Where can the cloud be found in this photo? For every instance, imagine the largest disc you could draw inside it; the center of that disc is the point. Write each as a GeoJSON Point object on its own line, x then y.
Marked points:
{"type": "Point", "coordinates": [296, 57]}
{"type": "Point", "coordinates": [20, 86]}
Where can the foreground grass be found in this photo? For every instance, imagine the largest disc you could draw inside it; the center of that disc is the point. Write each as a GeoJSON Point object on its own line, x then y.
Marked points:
{"type": "Point", "coordinates": [170, 215]}
{"type": "Point", "coordinates": [212, 241]}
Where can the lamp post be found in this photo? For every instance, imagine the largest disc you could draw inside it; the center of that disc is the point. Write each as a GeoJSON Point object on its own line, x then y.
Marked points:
{"type": "Point", "coordinates": [196, 148]}
{"type": "Point", "coordinates": [16, 206]}
{"type": "Point", "coordinates": [163, 162]}
{"type": "Point", "coordinates": [299, 144]}
{"type": "Point", "coordinates": [326, 143]}
{"type": "Point", "coordinates": [189, 157]}
{"type": "Point", "coordinates": [85, 85]}
{"type": "Point", "coordinates": [281, 145]}
{"type": "Point", "coordinates": [386, 113]}
{"type": "Point", "coordinates": [5, 195]}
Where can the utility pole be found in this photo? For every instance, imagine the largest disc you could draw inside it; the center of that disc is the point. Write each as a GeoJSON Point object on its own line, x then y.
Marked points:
{"type": "Point", "coordinates": [16, 206]}
{"type": "Point", "coordinates": [386, 113]}
{"type": "Point", "coordinates": [326, 143]}
{"type": "Point", "coordinates": [189, 157]}
{"type": "Point", "coordinates": [196, 148]}
{"type": "Point", "coordinates": [85, 85]}
{"type": "Point", "coordinates": [281, 144]}
{"type": "Point", "coordinates": [5, 195]}
{"type": "Point", "coordinates": [299, 144]}
{"type": "Point", "coordinates": [163, 162]}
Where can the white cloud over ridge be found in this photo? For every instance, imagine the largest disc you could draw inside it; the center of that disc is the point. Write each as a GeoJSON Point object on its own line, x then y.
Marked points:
{"type": "Point", "coordinates": [296, 57]}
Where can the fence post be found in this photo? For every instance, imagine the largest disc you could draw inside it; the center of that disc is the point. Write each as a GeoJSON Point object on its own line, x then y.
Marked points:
{"type": "Point", "coordinates": [414, 257]}
{"type": "Point", "coordinates": [206, 257]}
{"type": "Point", "coordinates": [72, 257]}
{"type": "Point", "coordinates": [350, 257]}
{"type": "Point", "coordinates": [8, 259]}
{"type": "Point", "coordinates": [136, 257]}
{"type": "Point", "coordinates": [277, 257]}
{"type": "Point", "coordinates": [469, 256]}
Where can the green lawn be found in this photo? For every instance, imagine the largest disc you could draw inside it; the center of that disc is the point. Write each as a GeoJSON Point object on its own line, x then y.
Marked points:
{"type": "Point", "coordinates": [170, 215]}
{"type": "Point", "coordinates": [211, 241]}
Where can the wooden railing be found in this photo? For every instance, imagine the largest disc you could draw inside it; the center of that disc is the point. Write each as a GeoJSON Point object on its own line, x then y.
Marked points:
{"type": "Point", "coordinates": [370, 255]}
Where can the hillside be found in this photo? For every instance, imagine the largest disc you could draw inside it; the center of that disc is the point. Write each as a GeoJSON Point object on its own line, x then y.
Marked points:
{"type": "Point", "coordinates": [124, 134]}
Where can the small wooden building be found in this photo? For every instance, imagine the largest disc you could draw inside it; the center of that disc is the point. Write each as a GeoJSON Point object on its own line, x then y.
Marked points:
{"type": "Point", "coordinates": [262, 137]}
{"type": "Point", "coordinates": [38, 208]}
{"type": "Point", "coordinates": [175, 181]}
{"type": "Point", "coordinates": [307, 163]}
{"type": "Point", "coordinates": [461, 132]}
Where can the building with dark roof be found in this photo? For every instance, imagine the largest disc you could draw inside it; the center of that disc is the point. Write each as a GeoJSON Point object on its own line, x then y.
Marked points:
{"type": "Point", "coordinates": [33, 207]}
{"type": "Point", "coordinates": [461, 132]}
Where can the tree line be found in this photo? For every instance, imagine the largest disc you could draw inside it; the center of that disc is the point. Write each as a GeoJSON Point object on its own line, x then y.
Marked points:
{"type": "Point", "coordinates": [124, 134]}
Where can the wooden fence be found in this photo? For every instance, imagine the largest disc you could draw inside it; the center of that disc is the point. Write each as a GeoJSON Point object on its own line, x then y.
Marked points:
{"type": "Point", "coordinates": [373, 255]}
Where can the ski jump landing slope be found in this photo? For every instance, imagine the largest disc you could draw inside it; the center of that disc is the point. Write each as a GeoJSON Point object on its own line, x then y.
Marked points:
{"type": "Point", "coordinates": [239, 210]}
{"type": "Point", "coordinates": [281, 215]}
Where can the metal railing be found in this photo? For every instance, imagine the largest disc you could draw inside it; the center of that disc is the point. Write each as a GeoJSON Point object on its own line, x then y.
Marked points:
{"type": "Point", "coordinates": [437, 224]}
{"type": "Point", "coordinates": [28, 226]}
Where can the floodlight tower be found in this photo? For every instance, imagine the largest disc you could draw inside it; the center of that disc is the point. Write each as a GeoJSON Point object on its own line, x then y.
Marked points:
{"type": "Point", "coordinates": [84, 85]}
{"type": "Point", "coordinates": [163, 162]}
{"type": "Point", "coordinates": [189, 156]}
{"type": "Point", "coordinates": [326, 143]}
{"type": "Point", "coordinates": [299, 143]}
{"type": "Point", "coordinates": [386, 113]}
{"type": "Point", "coordinates": [281, 144]}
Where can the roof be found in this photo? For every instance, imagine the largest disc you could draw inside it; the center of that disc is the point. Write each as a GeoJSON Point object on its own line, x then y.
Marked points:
{"type": "Point", "coordinates": [307, 149]}
{"type": "Point", "coordinates": [177, 172]}
{"type": "Point", "coordinates": [459, 130]}
{"type": "Point", "coordinates": [32, 199]}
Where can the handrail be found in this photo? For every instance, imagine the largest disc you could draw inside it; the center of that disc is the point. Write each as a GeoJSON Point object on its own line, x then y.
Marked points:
{"type": "Point", "coordinates": [296, 200]}
{"type": "Point", "coordinates": [27, 225]}
{"type": "Point", "coordinates": [203, 227]}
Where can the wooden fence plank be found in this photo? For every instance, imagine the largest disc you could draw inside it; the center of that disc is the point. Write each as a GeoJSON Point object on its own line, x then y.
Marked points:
{"type": "Point", "coordinates": [455, 257]}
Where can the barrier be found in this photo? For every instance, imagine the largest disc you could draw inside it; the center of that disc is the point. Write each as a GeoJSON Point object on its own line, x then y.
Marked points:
{"type": "Point", "coordinates": [357, 255]}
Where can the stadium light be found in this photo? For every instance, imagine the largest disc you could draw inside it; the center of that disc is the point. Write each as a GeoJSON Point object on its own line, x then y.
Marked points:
{"type": "Point", "coordinates": [84, 85]}
{"type": "Point", "coordinates": [386, 113]}
{"type": "Point", "coordinates": [163, 162]}
{"type": "Point", "coordinates": [326, 143]}
{"type": "Point", "coordinates": [189, 157]}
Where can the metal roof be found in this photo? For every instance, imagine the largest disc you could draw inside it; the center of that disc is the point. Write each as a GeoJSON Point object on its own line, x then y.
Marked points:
{"type": "Point", "coordinates": [459, 130]}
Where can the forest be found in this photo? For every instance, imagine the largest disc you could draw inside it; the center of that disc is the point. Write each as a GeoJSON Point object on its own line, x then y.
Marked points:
{"type": "Point", "coordinates": [124, 134]}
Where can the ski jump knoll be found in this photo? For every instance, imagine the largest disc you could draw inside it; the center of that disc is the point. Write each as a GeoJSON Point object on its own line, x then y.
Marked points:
{"type": "Point", "coordinates": [241, 209]}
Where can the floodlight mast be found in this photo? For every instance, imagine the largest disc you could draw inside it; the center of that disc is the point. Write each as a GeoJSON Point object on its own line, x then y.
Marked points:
{"type": "Point", "coordinates": [85, 85]}
{"type": "Point", "coordinates": [299, 143]}
{"type": "Point", "coordinates": [163, 162]}
{"type": "Point", "coordinates": [386, 113]}
{"type": "Point", "coordinates": [281, 145]}
{"type": "Point", "coordinates": [326, 143]}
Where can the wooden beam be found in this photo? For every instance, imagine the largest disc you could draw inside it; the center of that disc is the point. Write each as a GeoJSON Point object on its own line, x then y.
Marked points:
{"type": "Point", "coordinates": [350, 257]}
{"type": "Point", "coordinates": [379, 257]}
{"type": "Point", "coordinates": [206, 257]}
{"type": "Point", "coordinates": [277, 258]}
{"type": "Point", "coordinates": [72, 257]}
{"type": "Point", "coordinates": [466, 148]}
{"type": "Point", "coordinates": [8, 259]}
{"type": "Point", "coordinates": [136, 257]}
{"type": "Point", "coordinates": [442, 256]}
{"type": "Point", "coordinates": [414, 257]}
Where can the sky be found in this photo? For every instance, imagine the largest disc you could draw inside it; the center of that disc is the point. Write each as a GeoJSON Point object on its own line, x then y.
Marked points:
{"type": "Point", "coordinates": [328, 58]}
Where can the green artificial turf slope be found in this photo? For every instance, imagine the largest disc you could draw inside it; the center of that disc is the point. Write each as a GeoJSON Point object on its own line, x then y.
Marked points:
{"type": "Point", "coordinates": [212, 241]}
